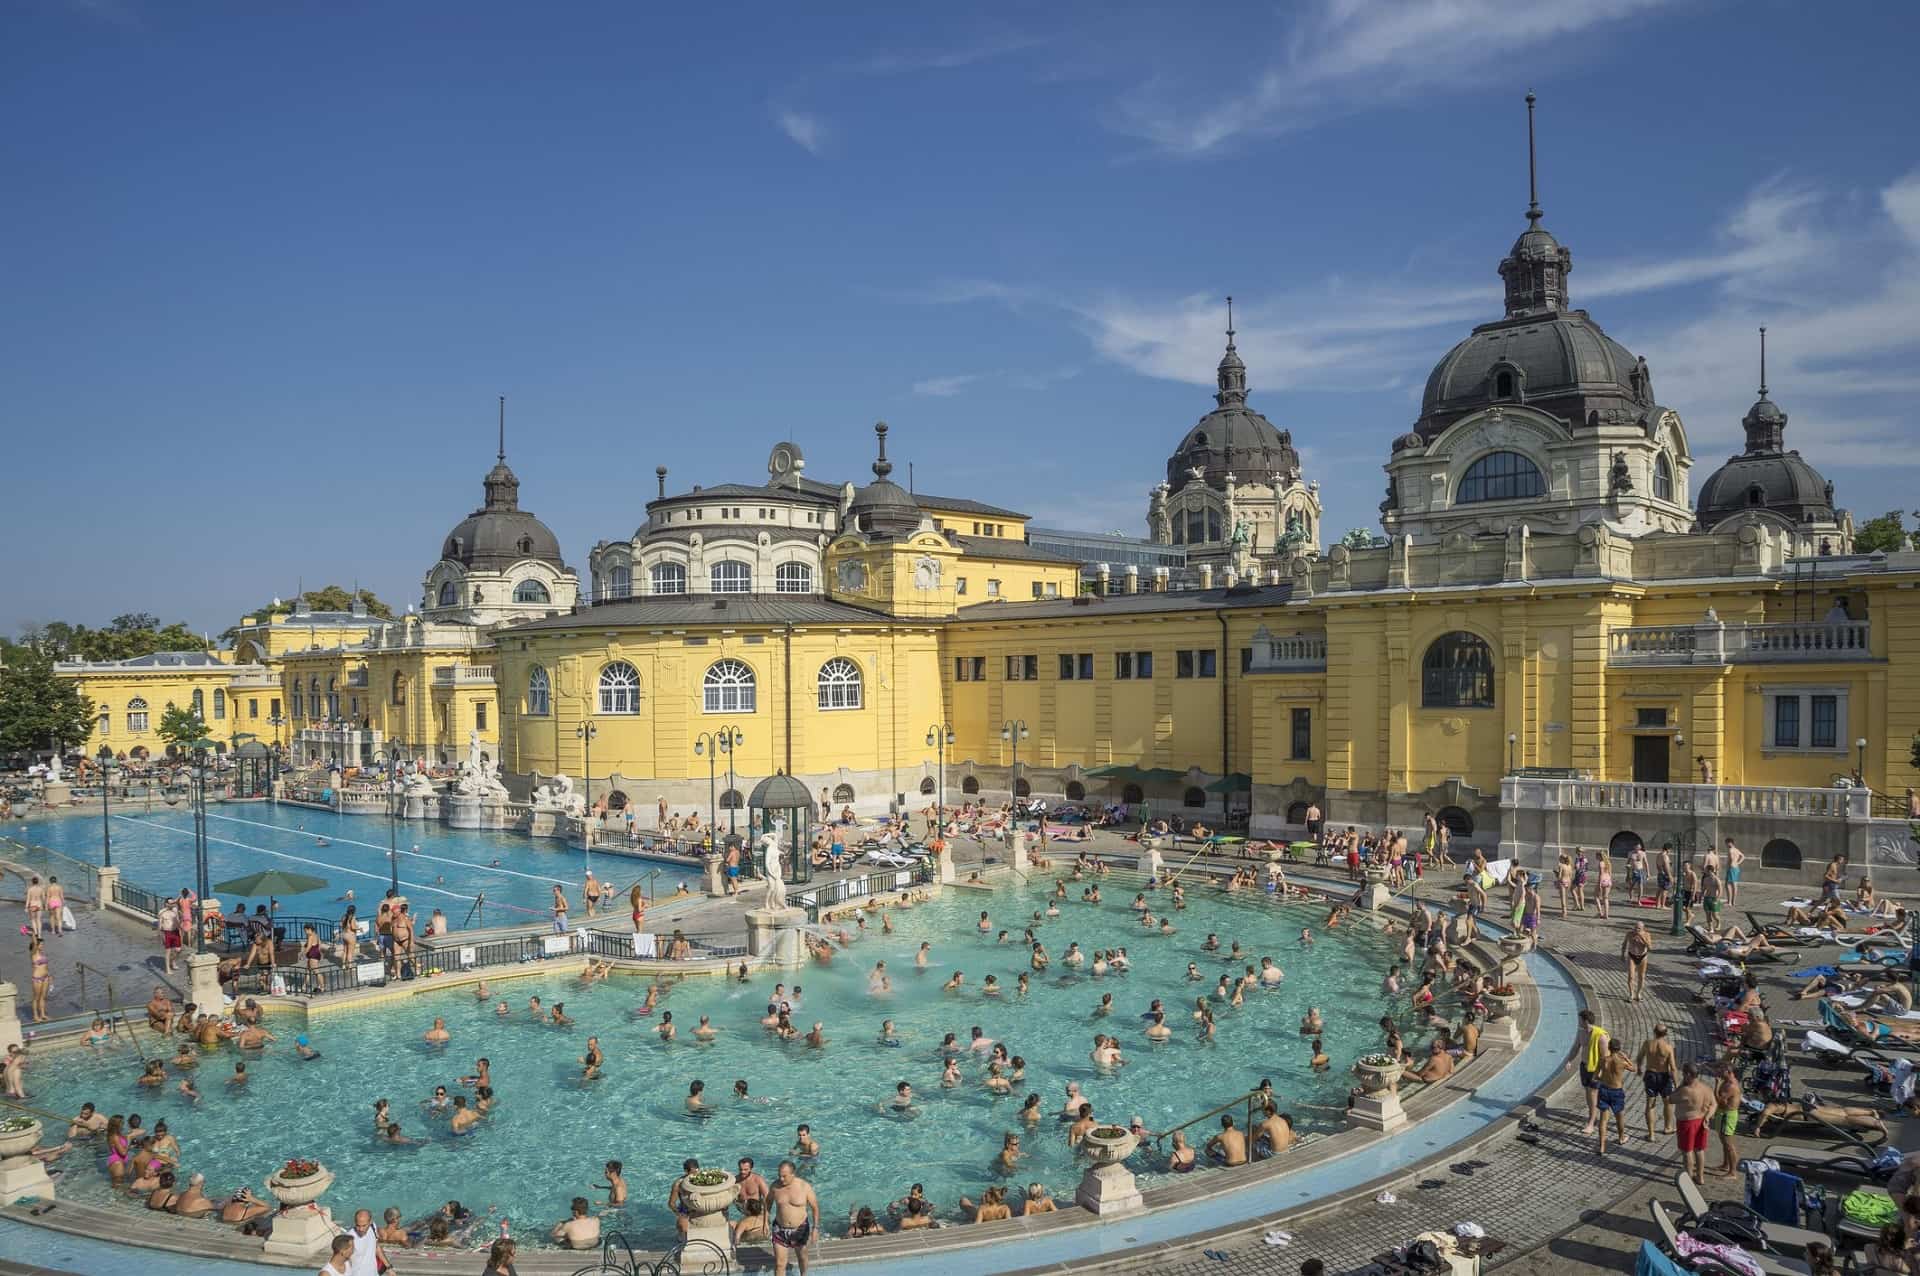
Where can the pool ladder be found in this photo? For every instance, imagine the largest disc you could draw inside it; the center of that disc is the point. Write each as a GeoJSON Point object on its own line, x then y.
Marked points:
{"type": "Point", "coordinates": [688, 1258]}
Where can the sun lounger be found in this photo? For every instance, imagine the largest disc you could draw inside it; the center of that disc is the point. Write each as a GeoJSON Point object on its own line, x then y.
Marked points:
{"type": "Point", "coordinates": [1853, 1161]}
{"type": "Point", "coordinates": [1739, 1219]}
{"type": "Point", "coordinates": [891, 859]}
{"type": "Point", "coordinates": [1670, 1241]}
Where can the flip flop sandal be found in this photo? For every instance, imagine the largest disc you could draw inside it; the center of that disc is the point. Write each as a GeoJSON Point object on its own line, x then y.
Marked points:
{"type": "Point", "coordinates": [1528, 1138]}
{"type": "Point", "coordinates": [1461, 1167]}
{"type": "Point", "coordinates": [1427, 1185]}
{"type": "Point", "coordinates": [1217, 1255]}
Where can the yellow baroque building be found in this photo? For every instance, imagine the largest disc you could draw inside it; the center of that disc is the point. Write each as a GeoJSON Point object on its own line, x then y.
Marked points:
{"type": "Point", "coordinates": [130, 696]}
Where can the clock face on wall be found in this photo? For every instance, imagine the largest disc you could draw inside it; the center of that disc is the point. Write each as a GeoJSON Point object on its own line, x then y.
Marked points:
{"type": "Point", "coordinates": [783, 461]}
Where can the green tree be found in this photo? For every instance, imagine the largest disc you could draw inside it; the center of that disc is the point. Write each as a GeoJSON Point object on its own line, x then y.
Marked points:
{"type": "Point", "coordinates": [38, 708]}
{"type": "Point", "coordinates": [181, 727]}
{"type": "Point", "coordinates": [1357, 538]}
{"type": "Point", "coordinates": [329, 598]}
{"type": "Point", "coordinates": [1886, 534]}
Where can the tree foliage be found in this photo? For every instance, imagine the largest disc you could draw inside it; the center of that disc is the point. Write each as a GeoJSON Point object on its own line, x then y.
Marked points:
{"type": "Point", "coordinates": [135, 633]}
{"type": "Point", "coordinates": [39, 709]}
{"type": "Point", "coordinates": [181, 727]}
{"type": "Point", "coordinates": [1887, 534]}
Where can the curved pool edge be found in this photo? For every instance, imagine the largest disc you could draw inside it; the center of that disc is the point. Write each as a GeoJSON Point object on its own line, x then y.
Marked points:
{"type": "Point", "coordinates": [1351, 1164]}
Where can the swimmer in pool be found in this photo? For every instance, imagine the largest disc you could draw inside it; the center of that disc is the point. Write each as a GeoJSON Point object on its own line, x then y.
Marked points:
{"type": "Point", "coordinates": [464, 1118]}
{"type": "Point", "coordinates": [950, 1075]}
{"type": "Point", "coordinates": [694, 1103]}
{"type": "Point", "coordinates": [879, 981]}
{"type": "Point", "coordinates": [502, 1010]}
{"type": "Point", "coordinates": [959, 977]}
{"type": "Point", "coordinates": [920, 958]}
{"type": "Point", "coordinates": [666, 1029]}
{"type": "Point", "coordinates": [439, 1104]}
{"type": "Point", "coordinates": [590, 1061]}
{"type": "Point", "coordinates": [804, 1144]}
{"type": "Point", "coordinates": [705, 1031]}
{"type": "Point", "coordinates": [304, 1048]}
{"type": "Point", "coordinates": [438, 1034]}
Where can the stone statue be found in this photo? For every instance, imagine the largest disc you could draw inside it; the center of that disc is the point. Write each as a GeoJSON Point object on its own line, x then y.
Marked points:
{"type": "Point", "coordinates": [1622, 478]}
{"type": "Point", "coordinates": [473, 752]}
{"type": "Point", "coordinates": [776, 875]}
{"type": "Point", "coordinates": [558, 795]}
{"type": "Point", "coordinates": [1159, 528]}
{"type": "Point", "coordinates": [417, 785]}
{"type": "Point", "coordinates": [53, 768]}
{"type": "Point", "coordinates": [926, 572]}
{"type": "Point", "coordinates": [1393, 496]}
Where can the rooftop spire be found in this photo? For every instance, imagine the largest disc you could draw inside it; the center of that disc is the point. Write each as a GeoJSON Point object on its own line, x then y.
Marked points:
{"type": "Point", "coordinates": [1231, 378]}
{"type": "Point", "coordinates": [1763, 361]}
{"type": "Point", "coordinates": [1765, 423]}
{"type": "Point", "coordinates": [882, 466]}
{"type": "Point", "coordinates": [1533, 185]}
{"type": "Point", "coordinates": [501, 455]}
{"type": "Point", "coordinates": [1229, 321]}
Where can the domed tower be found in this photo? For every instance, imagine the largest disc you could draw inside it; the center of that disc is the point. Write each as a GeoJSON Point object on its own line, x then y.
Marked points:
{"type": "Point", "coordinates": [883, 509]}
{"type": "Point", "coordinates": [1768, 482]}
{"type": "Point", "coordinates": [1235, 473]}
{"type": "Point", "coordinates": [499, 563]}
{"type": "Point", "coordinates": [1538, 416]}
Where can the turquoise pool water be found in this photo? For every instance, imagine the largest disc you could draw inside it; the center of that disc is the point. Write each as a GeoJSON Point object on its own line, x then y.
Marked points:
{"type": "Point", "coordinates": [446, 871]}
{"type": "Point", "coordinates": [552, 1132]}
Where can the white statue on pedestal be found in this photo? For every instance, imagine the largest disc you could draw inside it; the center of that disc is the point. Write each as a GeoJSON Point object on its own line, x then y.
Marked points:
{"type": "Point", "coordinates": [559, 796]}
{"type": "Point", "coordinates": [53, 768]}
{"type": "Point", "coordinates": [776, 876]}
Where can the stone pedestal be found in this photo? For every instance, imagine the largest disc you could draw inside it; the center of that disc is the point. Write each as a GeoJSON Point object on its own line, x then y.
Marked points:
{"type": "Point", "coordinates": [1381, 1111]}
{"type": "Point", "coordinates": [944, 866]}
{"type": "Point", "coordinates": [9, 1017]}
{"type": "Point", "coordinates": [774, 935]}
{"type": "Point", "coordinates": [1374, 895]}
{"type": "Point", "coordinates": [461, 810]}
{"type": "Point", "coordinates": [21, 1174]}
{"type": "Point", "coordinates": [302, 1232]}
{"type": "Point", "coordinates": [1503, 1033]}
{"type": "Point", "coordinates": [203, 982]}
{"type": "Point", "coordinates": [57, 793]}
{"type": "Point", "coordinates": [1109, 1189]}
{"type": "Point", "coordinates": [107, 878]}
{"type": "Point", "coordinates": [1017, 852]}
{"type": "Point", "coordinates": [713, 870]}
{"type": "Point", "coordinates": [707, 1215]}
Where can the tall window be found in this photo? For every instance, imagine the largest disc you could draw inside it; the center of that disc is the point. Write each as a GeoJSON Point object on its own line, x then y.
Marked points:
{"type": "Point", "coordinates": [219, 704]}
{"type": "Point", "coordinates": [619, 688]}
{"type": "Point", "coordinates": [793, 578]}
{"type": "Point", "coordinates": [104, 725]}
{"type": "Point", "coordinates": [299, 702]}
{"type": "Point", "coordinates": [620, 582]}
{"type": "Point", "coordinates": [539, 693]}
{"type": "Point", "coordinates": [839, 684]}
{"type": "Point", "coordinates": [1662, 478]}
{"type": "Point", "coordinates": [480, 715]}
{"type": "Point", "coordinates": [137, 714]}
{"type": "Point", "coordinates": [399, 693]}
{"type": "Point", "coordinates": [729, 687]}
{"type": "Point", "coordinates": [1826, 722]}
{"type": "Point", "coordinates": [199, 704]}
{"type": "Point", "coordinates": [668, 578]}
{"type": "Point", "coordinates": [1786, 722]}
{"type": "Point", "coordinates": [1500, 476]}
{"type": "Point", "coordinates": [730, 576]}
{"type": "Point", "coordinates": [1457, 673]}
{"type": "Point", "coordinates": [531, 591]}
{"type": "Point", "coordinates": [449, 594]}
{"type": "Point", "coordinates": [1302, 734]}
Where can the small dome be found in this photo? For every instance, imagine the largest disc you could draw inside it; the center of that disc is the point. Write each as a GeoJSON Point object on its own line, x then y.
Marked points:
{"type": "Point", "coordinates": [779, 792]}
{"type": "Point", "coordinates": [1767, 476]}
{"type": "Point", "coordinates": [500, 533]}
{"type": "Point", "coordinates": [883, 507]}
{"type": "Point", "coordinates": [1233, 438]}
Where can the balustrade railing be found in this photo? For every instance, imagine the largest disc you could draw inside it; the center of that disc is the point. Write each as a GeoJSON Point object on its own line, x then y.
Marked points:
{"type": "Point", "coordinates": [1289, 652]}
{"type": "Point", "coordinates": [1712, 642]}
{"type": "Point", "coordinates": [1699, 799]}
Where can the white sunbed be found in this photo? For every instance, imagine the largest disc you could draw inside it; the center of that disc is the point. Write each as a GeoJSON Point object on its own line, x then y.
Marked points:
{"type": "Point", "coordinates": [892, 859]}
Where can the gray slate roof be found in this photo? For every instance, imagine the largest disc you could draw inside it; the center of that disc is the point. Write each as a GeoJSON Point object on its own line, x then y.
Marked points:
{"type": "Point", "coordinates": [963, 506]}
{"type": "Point", "coordinates": [1011, 550]}
{"type": "Point", "coordinates": [1129, 604]}
{"type": "Point", "coordinates": [682, 610]}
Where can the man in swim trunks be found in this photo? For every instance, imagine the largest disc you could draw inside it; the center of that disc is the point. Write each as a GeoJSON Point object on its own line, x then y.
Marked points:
{"type": "Point", "coordinates": [1656, 1063]}
{"type": "Point", "coordinates": [1692, 1105]}
{"type": "Point", "coordinates": [1594, 1039]}
{"type": "Point", "coordinates": [1610, 1093]}
{"type": "Point", "coordinates": [796, 1211]}
{"type": "Point", "coordinates": [1635, 949]}
{"type": "Point", "coordinates": [1726, 1119]}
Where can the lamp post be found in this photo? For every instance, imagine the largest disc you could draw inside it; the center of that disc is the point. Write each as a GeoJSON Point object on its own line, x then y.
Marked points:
{"type": "Point", "coordinates": [1513, 743]}
{"type": "Point", "coordinates": [391, 761]}
{"type": "Point", "coordinates": [200, 750]}
{"type": "Point", "coordinates": [1860, 770]}
{"type": "Point", "coordinates": [586, 733]}
{"type": "Point", "coordinates": [105, 757]}
{"type": "Point", "coordinates": [939, 736]}
{"type": "Point", "coordinates": [1677, 925]}
{"type": "Point", "coordinates": [712, 744]}
{"type": "Point", "coordinates": [1013, 732]}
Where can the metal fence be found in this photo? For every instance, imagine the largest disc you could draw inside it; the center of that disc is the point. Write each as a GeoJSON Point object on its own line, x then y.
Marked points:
{"type": "Point", "coordinates": [139, 899]}
{"type": "Point", "coordinates": [286, 930]}
{"type": "Point", "coordinates": [816, 898]}
{"type": "Point", "coordinates": [81, 878]}
{"type": "Point", "coordinates": [620, 943]}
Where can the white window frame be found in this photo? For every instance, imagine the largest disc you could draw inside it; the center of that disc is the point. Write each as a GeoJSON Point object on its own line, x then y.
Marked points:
{"type": "Point", "coordinates": [1842, 734]}
{"type": "Point", "coordinates": [545, 598]}
{"type": "Point", "coordinates": [728, 687]}
{"type": "Point", "coordinates": [677, 571]}
{"type": "Point", "coordinates": [738, 577]}
{"type": "Point", "coordinates": [620, 582]}
{"type": "Point", "coordinates": [793, 578]}
{"type": "Point", "coordinates": [137, 715]}
{"type": "Point", "coordinates": [539, 692]}
{"type": "Point", "coordinates": [618, 689]}
{"type": "Point", "coordinates": [840, 685]}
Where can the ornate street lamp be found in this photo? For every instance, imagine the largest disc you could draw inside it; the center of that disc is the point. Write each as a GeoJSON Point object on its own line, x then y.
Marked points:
{"type": "Point", "coordinates": [1013, 732]}
{"type": "Point", "coordinates": [939, 736]}
{"type": "Point", "coordinates": [711, 744]}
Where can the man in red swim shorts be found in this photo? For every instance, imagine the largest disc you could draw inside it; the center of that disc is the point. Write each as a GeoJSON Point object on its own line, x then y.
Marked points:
{"type": "Point", "coordinates": [1692, 1105]}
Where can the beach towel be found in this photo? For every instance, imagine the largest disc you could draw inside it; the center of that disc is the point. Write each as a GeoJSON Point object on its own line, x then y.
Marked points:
{"type": "Point", "coordinates": [1811, 971]}
{"type": "Point", "coordinates": [1651, 1262]}
{"type": "Point", "coordinates": [1778, 1200]}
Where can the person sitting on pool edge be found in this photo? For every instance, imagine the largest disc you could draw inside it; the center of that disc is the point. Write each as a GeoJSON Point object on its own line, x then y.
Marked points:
{"type": "Point", "coordinates": [580, 1230]}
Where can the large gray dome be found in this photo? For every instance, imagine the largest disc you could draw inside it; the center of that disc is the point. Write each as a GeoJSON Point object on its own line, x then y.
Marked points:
{"type": "Point", "coordinates": [1768, 476]}
{"type": "Point", "coordinates": [500, 533]}
{"type": "Point", "coordinates": [1233, 438]}
{"type": "Point", "coordinates": [1561, 363]}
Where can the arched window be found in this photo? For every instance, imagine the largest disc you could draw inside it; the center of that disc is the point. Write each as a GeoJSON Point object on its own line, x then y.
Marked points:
{"type": "Point", "coordinates": [843, 793]}
{"type": "Point", "coordinates": [1622, 843]}
{"type": "Point", "coordinates": [531, 591]}
{"type": "Point", "coordinates": [1503, 385]}
{"type": "Point", "coordinates": [219, 704]}
{"type": "Point", "coordinates": [298, 702]}
{"type": "Point", "coordinates": [619, 688]}
{"type": "Point", "coordinates": [137, 714]}
{"type": "Point", "coordinates": [540, 692]}
{"type": "Point", "coordinates": [668, 578]}
{"type": "Point", "coordinates": [617, 800]}
{"type": "Point", "coordinates": [1022, 787]}
{"type": "Point", "coordinates": [793, 578]}
{"type": "Point", "coordinates": [1780, 853]}
{"type": "Point", "coordinates": [729, 687]}
{"type": "Point", "coordinates": [1132, 794]}
{"type": "Point", "coordinates": [839, 684]}
{"type": "Point", "coordinates": [926, 786]}
{"type": "Point", "coordinates": [1662, 478]}
{"type": "Point", "coordinates": [1297, 813]}
{"type": "Point", "coordinates": [1500, 476]}
{"type": "Point", "coordinates": [1213, 526]}
{"type": "Point", "coordinates": [620, 582]}
{"type": "Point", "coordinates": [970, 785]}
{"type": "Point", "coordinates": [1457, 673]}
{"type": "Point", "coordinates": [449, 594]}
{"type": "Point", "coordinates": [730, 576]}
{"type": "Point", "coordinates": [1076, 791]}
{"type": "Point", "coordinates": [1456, 820]}
{"type": "Point", "coordinates": [399, 695]}
{"type": "Point", "coordinates": [199, 704]}
{"type": "Point", "coordinates": [1194, 797]}
{"type": "Point", "coordinates": [732, 801]}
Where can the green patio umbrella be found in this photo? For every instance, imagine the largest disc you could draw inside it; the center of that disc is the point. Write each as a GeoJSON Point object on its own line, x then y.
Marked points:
{"type": "Point", "coordinates": [1238, 782]}
{"type": "Point", "coordinates": [271, 883]}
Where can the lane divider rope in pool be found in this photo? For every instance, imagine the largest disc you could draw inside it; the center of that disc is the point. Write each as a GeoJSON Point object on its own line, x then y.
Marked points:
{"type": "Point", "coordinates": [372, 846]}
{"type": "Point", "coordinates": [298, 859]}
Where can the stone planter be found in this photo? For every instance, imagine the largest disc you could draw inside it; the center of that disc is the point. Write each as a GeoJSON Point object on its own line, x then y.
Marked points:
{"type": "Point", "coordinates": [292, 1192]}
{"type": "Point", "coordinates": [707, 1211]}
{"type": "Point", "coordinates": [1501, 1006]}
{"type": "Point", "coordinates": [1109, 1150]}
{"type": "Point", "coordinates": [1375, 1078]}
{"type": "Point", "coordinates": [22, 1175]}
{"type": "Point", "coordinates": [15, 1143]}
{"type": "Point", "coordinates": [1108, 1186]}
{"type": "Point", "coordinates": [300, 1230]}
{"type": "Point", "coordinates": [1376, 876]}
{"type": "Point", "coordinates": [1516, 945]}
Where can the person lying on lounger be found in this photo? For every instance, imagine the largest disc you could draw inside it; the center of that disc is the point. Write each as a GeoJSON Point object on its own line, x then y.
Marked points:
{"type": "Point", "coordinates": [1868, 1026]}
{"type": "Point", "coordinates": [1839, 1116]}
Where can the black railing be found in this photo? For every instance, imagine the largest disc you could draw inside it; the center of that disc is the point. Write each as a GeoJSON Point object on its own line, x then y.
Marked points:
{"type": "Point", "coordinates": [878, 882]}
{"type": "Point", "coordinates": [127, 895]}
{"type": "Point", "coordinates": [81, 877]}
{"type": "Point", "coordinates": [286, 930]}
{"type": "Point", "coordinates": [619, 943]}
{"type": "Point", "coordinates": [297, 981]}
{"type": "Point", "coordinates": [508, 950]}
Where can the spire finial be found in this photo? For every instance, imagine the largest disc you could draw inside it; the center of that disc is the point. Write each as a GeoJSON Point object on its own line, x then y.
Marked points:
{"type": "Point", "coordinates": [1229, 321]}
{"type": "Point", "coordinates": [1533, 186]}
{"type": "Point", "coordinates": [881, 467]}
{"type": "Point", "coordinates": [1763, 361]}
{"type": "Point", "coordinates": [501, 455]}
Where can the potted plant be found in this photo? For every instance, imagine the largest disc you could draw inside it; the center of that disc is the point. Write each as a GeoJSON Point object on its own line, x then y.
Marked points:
{"type": "Point", "coordinates": [1516, 944]}
{"type": "Point", "coordinates": [1501, 1000]}
{"type": "Point", "coordinates": [1377, 1072]}
{"type": "Point", "coordinates": [299, 1182]}
{"type": "Point", "coordinates": [19, 1135]}
{"type": "Point", "coordinates": [707, 1191]}
{"type": "Point", "coordinates": [1109, 1144]}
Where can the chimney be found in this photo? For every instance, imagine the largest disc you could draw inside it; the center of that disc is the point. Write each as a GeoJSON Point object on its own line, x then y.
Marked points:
{"type": "Point", "coordinates": [1229, 577]}
{"type": "Point", "coordinates": [1105, 573]}
{"type": "Point", "coordinates": [1206, 576]}
{"type": "Point", "coordinates": [1133, 578]}
{"type": "Point", "coordinates": [1273, 577]}
{"type": "Point", "coordinates": [1160, 575]}
{"type": "Point", "coordinates": [660, 476]}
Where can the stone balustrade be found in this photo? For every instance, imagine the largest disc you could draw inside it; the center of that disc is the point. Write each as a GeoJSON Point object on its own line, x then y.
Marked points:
{"type": "Point", "coordinates": [1713, 642]}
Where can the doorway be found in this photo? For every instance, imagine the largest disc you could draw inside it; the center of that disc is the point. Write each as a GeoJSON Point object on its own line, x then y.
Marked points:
{"type": "Point", "coordinates": [1651, 754]}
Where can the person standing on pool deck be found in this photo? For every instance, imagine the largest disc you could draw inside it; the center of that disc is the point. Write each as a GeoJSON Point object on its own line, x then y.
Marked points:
{"type": "Point", "coordinates": [559, 910]}
{"type": "Point", "coordinates": [1611, 1093]}
{"type": "Point", "coordinates": [367, 1257]}
{"type": "Point", "coordinates": [1692, 1104]}
{"type": "Point", "coordinates": [1726, 1119]}
{"type": "Point", "coordinates": [1735, 858]}
{"type": "Point", "coordinates": [1635, 949]}
{"type": "Point", "coordinates": [796, 1213]}
{"type": "Point", "coordinates": [1656, 1073]}
{"type": "Point", "coordinates": [1595, 1041]}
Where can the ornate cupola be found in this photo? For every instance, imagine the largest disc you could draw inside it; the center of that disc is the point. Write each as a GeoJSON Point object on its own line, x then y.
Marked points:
{"type": "Point", "coordinates": [1232, 373]}
{"type": "Point", "coordinates": [1536, 270]}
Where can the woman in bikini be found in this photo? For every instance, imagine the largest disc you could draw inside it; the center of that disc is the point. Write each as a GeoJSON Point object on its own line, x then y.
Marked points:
{"type": "Point", "coordinates": [1603, 886]}
{"type": "Point", "coordinates": [311, 947]}
{"type": "Point", "coordinates": [117, 1148]}
{"type": "Point", "coordinates": [42, 977]}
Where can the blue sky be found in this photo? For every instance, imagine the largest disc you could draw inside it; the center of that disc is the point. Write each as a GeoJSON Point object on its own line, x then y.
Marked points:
{"type": "Point", "coordinates": [268, 266]}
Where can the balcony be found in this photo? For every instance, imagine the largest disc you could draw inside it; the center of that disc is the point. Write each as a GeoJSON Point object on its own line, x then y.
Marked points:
{"type": "Point", "coordinates": [357, 678]}
{"type": "Point", "coordinates": [1288, 653]}
{"type": "Point", "coordinates": [463, 676]}
{"type": "Point", "coordinates": [1713, 642]}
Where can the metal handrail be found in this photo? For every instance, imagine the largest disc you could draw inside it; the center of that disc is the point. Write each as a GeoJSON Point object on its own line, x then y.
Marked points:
{"type": "Point", "coordinates": [1247, 1129]}
{"type": "Point", "coordinates": [81, 968]}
